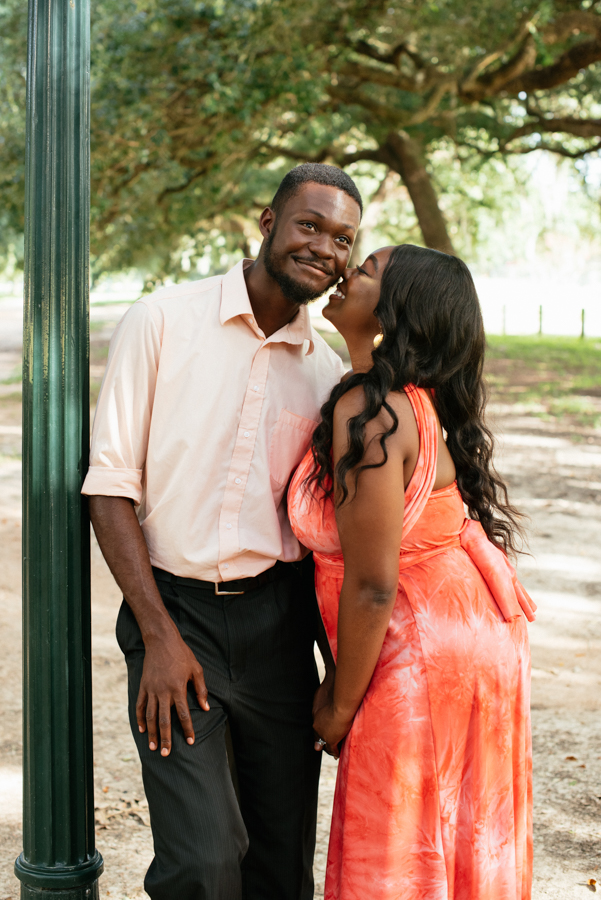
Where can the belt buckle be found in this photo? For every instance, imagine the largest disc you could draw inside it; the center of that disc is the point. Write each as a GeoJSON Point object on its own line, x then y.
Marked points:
{"type": "Point", "coordinates": [219, 593]}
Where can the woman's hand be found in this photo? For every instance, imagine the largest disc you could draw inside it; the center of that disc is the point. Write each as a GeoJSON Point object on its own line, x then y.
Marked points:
{"type": "Point", "coordinates": [330, 726]}
{"type": "Point", "coordinates": [325, 692]}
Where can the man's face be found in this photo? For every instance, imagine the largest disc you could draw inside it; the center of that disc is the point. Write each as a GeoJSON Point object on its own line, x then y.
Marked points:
{"type": "Point", "coordinates": [308, 248]}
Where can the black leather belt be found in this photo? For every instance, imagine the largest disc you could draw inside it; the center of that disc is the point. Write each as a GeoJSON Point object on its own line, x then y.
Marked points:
{"type": "Point", "coordinates": [239, 586]}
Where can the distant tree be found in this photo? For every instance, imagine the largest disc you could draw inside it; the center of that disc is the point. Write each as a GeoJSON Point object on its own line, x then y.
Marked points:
{"type": "Point", "coordinates": [199, 106]}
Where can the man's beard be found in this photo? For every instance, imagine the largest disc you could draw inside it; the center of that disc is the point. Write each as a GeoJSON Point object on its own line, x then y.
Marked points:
{"type": "Point", "coordinates": [294, 291]}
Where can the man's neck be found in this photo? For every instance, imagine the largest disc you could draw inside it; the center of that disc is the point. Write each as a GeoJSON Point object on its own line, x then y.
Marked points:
{"type": "Point", "coordinates": [270, 307]}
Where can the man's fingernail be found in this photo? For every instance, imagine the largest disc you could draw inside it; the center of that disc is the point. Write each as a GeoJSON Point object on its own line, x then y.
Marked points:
{"type": "Point", "coordinates": [152, 745]}
{"type": "Point", "coordinates": [164, 752]}
{"type": "Point", "coordinates": [190, 740]}
{"type": "Point", "coordinates": [140, 729]}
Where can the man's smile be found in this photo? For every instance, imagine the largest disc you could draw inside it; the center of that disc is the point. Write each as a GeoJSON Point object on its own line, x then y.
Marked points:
{"type": "Point", "coordinates": [313, 264]}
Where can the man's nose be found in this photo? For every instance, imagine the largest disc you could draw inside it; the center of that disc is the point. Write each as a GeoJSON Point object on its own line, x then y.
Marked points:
{"type": "Point", "coordinates": [322, 245]}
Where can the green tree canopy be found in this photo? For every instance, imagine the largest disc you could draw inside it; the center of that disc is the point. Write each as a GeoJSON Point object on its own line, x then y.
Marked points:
{"type": "Point", "coordinates": [198, 107]}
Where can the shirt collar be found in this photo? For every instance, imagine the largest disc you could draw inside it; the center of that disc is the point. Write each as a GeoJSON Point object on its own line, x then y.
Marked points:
{"type": "Point", "coordinates": [235, 302]}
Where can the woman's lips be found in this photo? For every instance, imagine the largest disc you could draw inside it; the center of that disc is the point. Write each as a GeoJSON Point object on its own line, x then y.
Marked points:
{"type": "Point", "coordinates": [338, 294]}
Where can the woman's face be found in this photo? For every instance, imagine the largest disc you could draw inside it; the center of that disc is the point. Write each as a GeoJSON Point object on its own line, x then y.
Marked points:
{"type": "Point", "coordinates": [351, 306]}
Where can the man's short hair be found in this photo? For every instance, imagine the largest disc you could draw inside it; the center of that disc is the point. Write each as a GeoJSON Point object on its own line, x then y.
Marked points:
{"type": "Point", "coordinates": [316, 173]}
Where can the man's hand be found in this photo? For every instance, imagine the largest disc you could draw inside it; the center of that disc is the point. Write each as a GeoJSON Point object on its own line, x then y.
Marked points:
{"type": "Point", "coordinates": [169, 666]}
{"type": "Point", "coordinates": [325, 692]}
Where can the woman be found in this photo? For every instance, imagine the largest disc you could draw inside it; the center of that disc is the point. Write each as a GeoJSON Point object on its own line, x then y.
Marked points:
{"type": "Point", "coordinates": [429, 705]}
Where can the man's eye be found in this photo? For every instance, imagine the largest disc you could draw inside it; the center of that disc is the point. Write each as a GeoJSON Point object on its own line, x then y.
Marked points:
{"type": "Point", "coordinates": [344, 238]}
{"type": "Point", "coordinates": [308, 224]}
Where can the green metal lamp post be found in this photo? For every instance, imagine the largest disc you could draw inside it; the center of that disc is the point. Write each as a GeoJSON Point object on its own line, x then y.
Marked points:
{"type": "Point", "coordinates": [59, 859]}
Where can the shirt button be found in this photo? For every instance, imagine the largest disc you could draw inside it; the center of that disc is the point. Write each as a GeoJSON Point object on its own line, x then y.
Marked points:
{"type": "Point", "coordinates": [228, 524]}
{"type": "Point", "coordinates": [238, 480]}
{"type": "Point", "coordinates": [255, 387]}
{"type": "Point", "coordinates": [246, 434]}
{"type": "Point", "coordinates": [226, 566]}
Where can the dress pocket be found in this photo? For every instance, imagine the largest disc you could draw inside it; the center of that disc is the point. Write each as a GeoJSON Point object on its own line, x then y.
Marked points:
{"type": "Point", "coordinates": [289, 442]}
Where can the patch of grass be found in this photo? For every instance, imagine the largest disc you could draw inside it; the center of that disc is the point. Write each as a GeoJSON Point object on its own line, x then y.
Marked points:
{"type": "Point", "coordinates": [557, 378]}
{"type": "Point", "coordinates": [569, 365]}
{"type": "Point", "coordinates": [10, 400]}
{"type": "Point", "coordinates": [14, 378]}
{"type": "Point", "coordinates": [562, 374]}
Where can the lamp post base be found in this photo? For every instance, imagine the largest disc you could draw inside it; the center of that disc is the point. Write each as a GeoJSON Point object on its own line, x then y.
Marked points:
{"type": "Point", "coordinates": [55, 883]}
{"type": "Point", "coordinates": [87, 892]}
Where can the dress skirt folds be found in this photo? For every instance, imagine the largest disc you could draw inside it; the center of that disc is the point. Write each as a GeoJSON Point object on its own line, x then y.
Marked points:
{"type": "Point", "coordinates": [433, 797]}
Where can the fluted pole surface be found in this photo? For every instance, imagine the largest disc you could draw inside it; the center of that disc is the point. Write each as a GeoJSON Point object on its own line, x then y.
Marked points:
{"type": "Point", "coordinates": [59, 853]}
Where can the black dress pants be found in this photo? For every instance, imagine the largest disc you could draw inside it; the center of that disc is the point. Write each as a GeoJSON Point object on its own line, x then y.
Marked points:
{"type": "Point", "coordinates": [212, 841]}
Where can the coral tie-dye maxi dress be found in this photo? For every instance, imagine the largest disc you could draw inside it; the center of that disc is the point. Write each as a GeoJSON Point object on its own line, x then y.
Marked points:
{"type": "Point", "coordinates": [433, 796]}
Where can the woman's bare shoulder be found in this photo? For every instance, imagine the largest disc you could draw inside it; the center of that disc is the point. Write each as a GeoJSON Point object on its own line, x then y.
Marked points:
{"type": "Point", "coordinates": [354, 402]}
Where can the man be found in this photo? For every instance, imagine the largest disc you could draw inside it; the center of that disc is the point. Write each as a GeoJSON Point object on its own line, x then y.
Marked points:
{"type": "Point", "coordinates": [211, 393]}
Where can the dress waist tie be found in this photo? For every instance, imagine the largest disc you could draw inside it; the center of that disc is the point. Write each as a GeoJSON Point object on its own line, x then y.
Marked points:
{"type": "Point", "coordinates": [497, 571]}
{"type": "Point", "coordinates": [491, 562]}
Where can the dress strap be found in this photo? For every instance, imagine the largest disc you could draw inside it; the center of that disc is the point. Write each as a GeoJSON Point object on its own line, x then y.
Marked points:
{"type": "Point", "coordinates": [422, 481]}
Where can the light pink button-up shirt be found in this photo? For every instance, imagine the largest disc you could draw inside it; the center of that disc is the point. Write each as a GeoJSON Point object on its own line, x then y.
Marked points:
{"type": "Point", "coordinates": [201, 420]}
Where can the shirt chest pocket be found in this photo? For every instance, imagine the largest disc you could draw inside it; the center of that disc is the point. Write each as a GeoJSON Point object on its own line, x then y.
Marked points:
{"type": "Point", "coordinates": [289, 443]}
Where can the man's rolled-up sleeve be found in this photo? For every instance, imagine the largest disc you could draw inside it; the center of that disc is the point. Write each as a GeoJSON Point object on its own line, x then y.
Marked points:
{"type": "Point", "coordinates": [122, 420]}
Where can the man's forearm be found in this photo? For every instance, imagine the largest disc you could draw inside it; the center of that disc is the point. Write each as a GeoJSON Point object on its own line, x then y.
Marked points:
{"type": "Point", "coordinates": [123, 546]}
{"type": "Point", "coordinates": [169, 664]}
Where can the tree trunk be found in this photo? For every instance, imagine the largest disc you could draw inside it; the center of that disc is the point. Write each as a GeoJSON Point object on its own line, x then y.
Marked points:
{"type": "Point", "coordinates": [402, 154]}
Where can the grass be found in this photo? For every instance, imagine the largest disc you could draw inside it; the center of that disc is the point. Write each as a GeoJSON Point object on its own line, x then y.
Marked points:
{"type": "Point", "coordinates": [14, 378]}
{"type": "Point", "coordinates": [556, 378]}
{"type": "Point", "coordinates": [559, 375]}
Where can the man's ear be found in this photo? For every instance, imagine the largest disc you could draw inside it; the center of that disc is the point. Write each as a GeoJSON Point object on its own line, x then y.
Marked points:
{"type": "Point", "coordinates": [267, 221]}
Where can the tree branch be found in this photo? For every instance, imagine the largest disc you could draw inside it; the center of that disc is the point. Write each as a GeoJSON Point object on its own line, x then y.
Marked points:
{"type": "Point", "coordinates": [570, 23]}
{"type": "Point", "coordinates": [584, 128]}
{"type": "Point", "coordinates": [382, 112]}
{"type": "Point", "coordinates": [580, 56]}
{"type": "Point", "coordinates": [178, 188]}
{"type": "Point", "coordinates": [469, 82]}
{"type": "Point", "coordinates": [494, 82]}
{"type": "Point", "coordinates": [554, 148]}
{"type": "Point", "coordinates": [392, 57]}
{"type": "Point", "coordinates": [372, 75]}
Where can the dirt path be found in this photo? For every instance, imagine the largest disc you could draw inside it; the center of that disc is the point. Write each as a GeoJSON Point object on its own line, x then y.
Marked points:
{"type": "Point", "coordinates": [557, 482]}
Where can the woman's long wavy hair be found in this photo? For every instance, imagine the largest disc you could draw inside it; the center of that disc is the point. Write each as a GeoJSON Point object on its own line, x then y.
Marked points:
{"type": "Point", "coordinates": [433, 337]}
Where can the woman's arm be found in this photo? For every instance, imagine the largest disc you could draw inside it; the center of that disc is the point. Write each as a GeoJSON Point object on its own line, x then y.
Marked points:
{"type": "Point", "coordinates": [370, 525]}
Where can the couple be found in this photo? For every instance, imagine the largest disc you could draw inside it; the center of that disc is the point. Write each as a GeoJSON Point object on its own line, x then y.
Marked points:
{"type": "Point", "coordinates": [208, 481]}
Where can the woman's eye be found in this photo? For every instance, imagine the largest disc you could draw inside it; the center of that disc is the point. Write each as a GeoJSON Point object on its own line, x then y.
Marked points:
{"type": "Point", "coordinates": [359, 269]}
